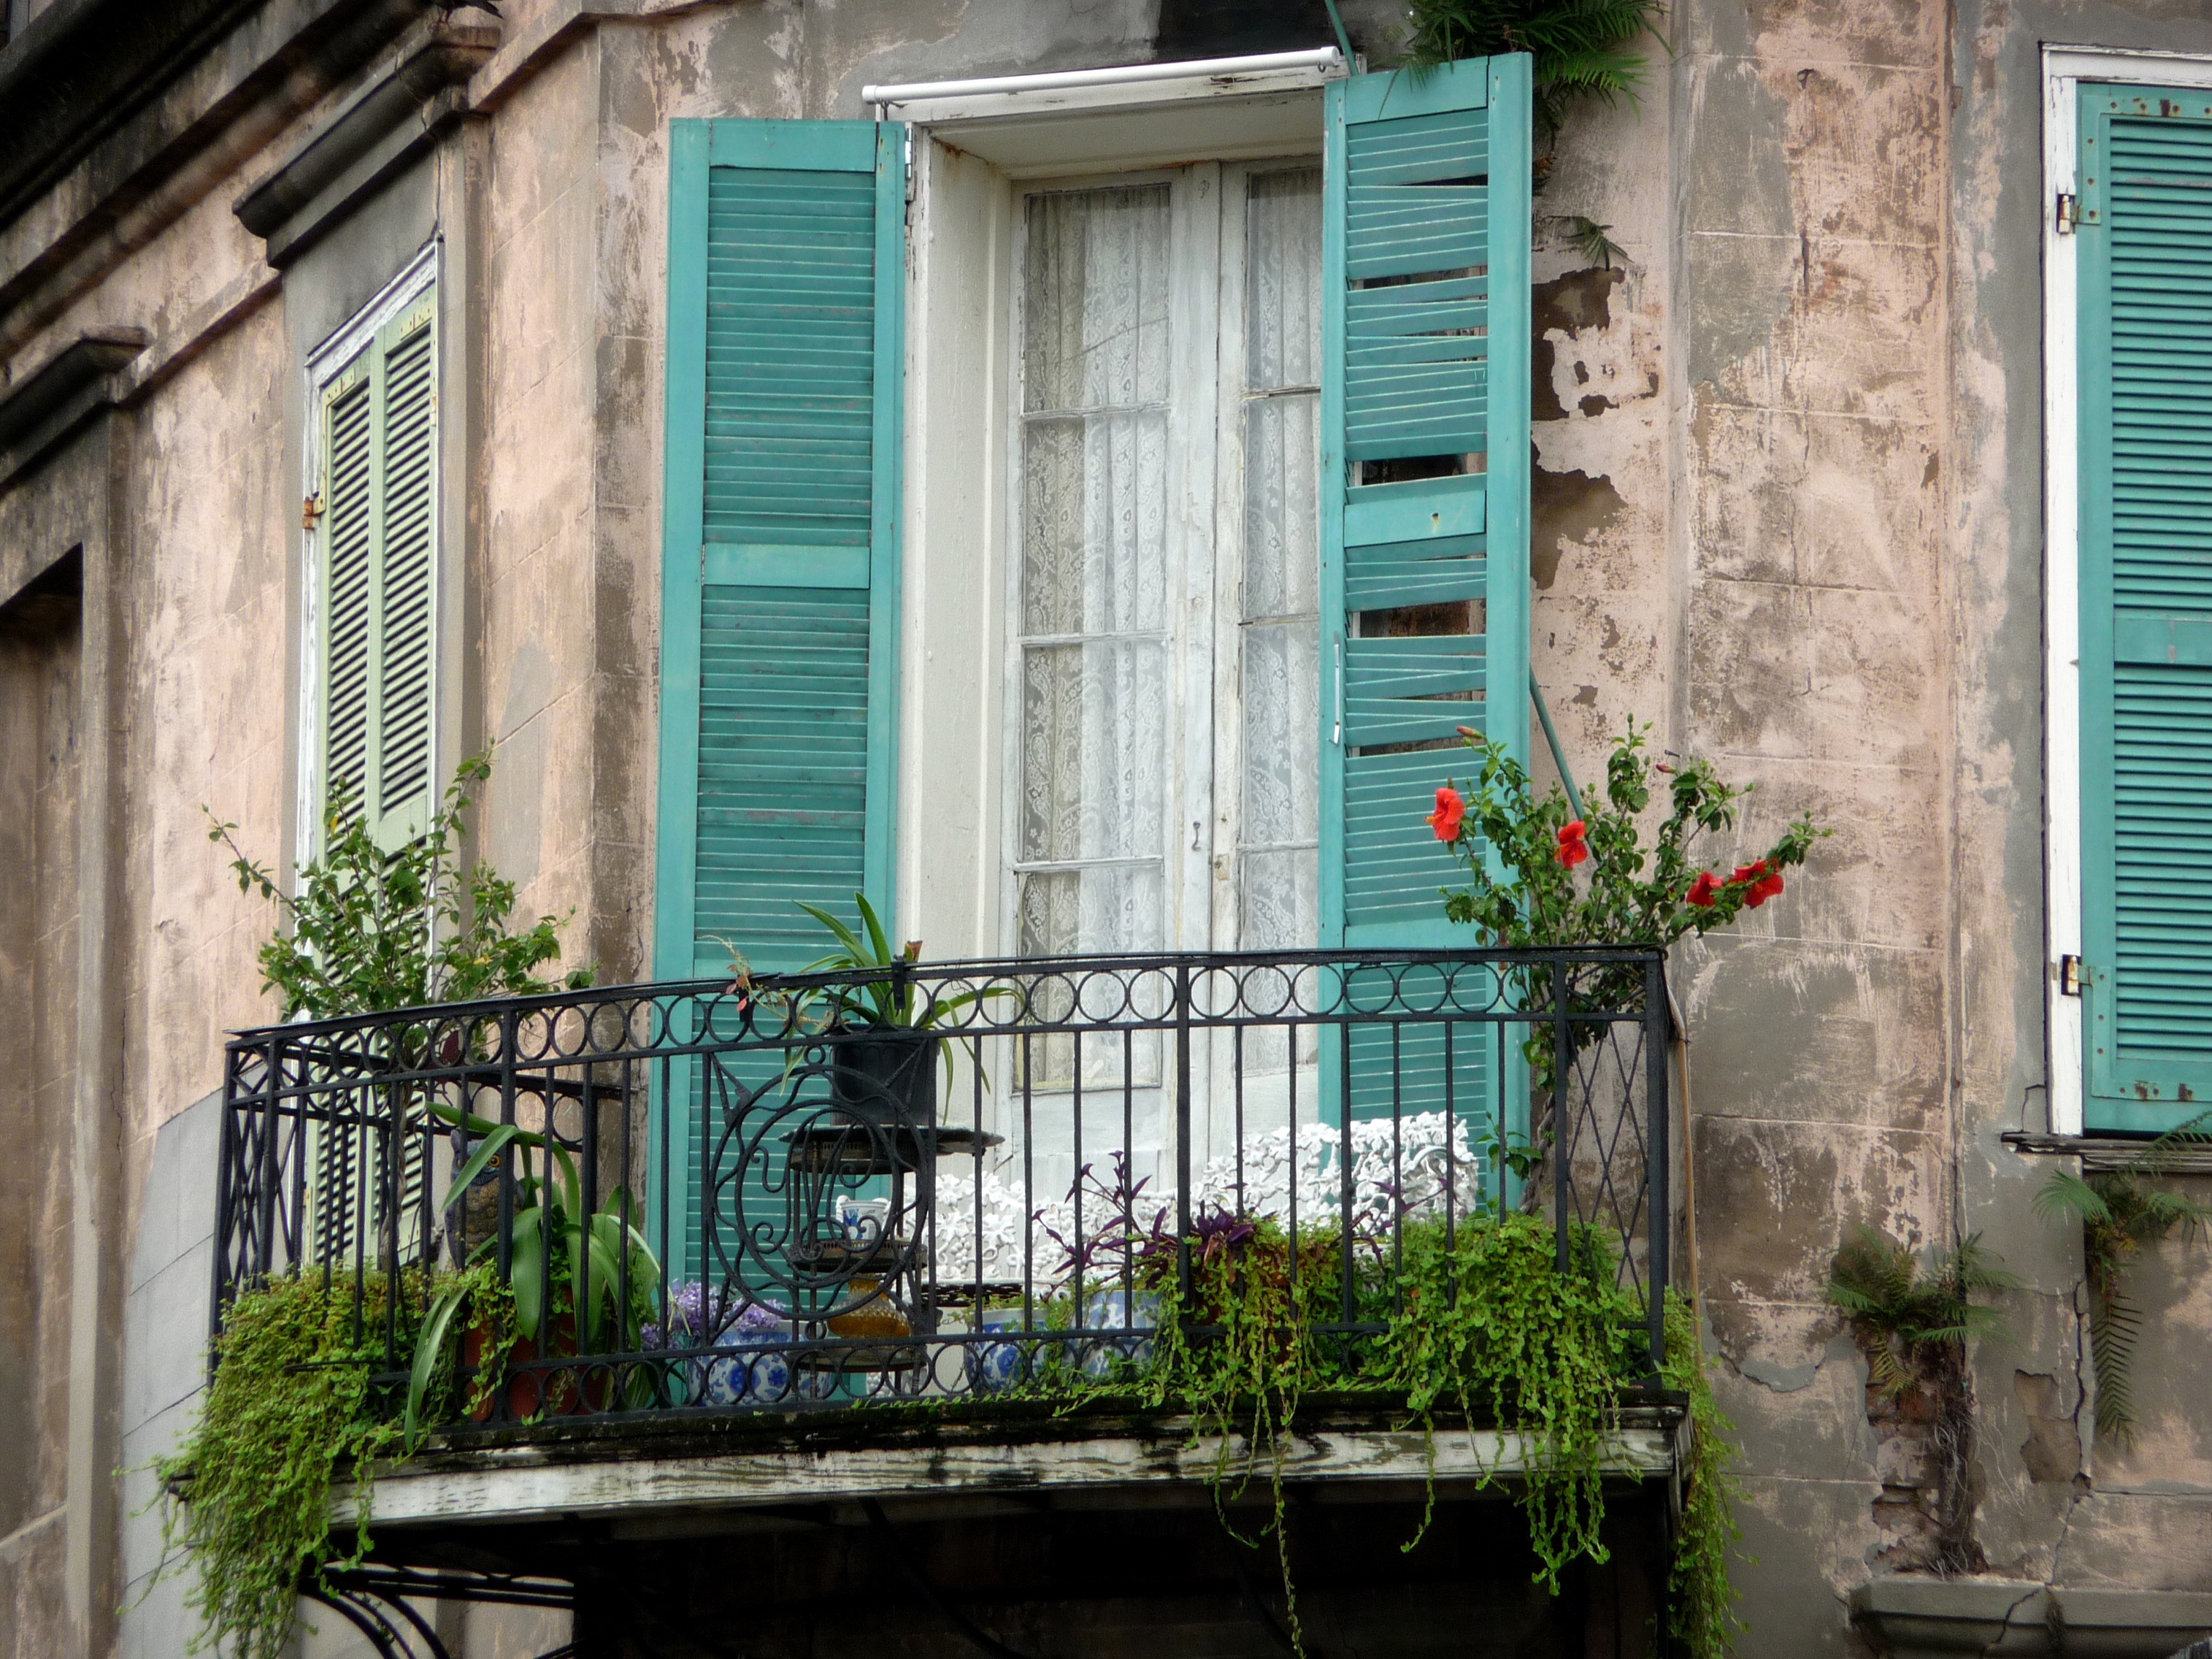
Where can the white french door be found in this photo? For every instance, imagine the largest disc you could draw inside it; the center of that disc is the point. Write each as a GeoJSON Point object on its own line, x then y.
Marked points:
{"type": "Point", "coordinates": [1163, 674]}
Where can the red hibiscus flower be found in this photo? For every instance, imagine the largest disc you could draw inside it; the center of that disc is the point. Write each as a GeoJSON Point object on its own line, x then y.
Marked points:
{"type": "Point", "coordinates": [1703, 890]}
{"type": "Point", "coordinates": [1451, 808]}
{"type": "Point", "coordinates": [1761, 879]}
{"type": "Point", "coordinates": [1574, 844]}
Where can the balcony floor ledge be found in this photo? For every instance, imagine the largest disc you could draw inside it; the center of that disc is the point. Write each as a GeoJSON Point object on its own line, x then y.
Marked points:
{"type": "Point", "coordinates": [673, 1466]}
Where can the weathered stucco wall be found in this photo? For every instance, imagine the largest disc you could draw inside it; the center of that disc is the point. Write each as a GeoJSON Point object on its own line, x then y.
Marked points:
{"type": "Point", "coordinates": [1843, 530]}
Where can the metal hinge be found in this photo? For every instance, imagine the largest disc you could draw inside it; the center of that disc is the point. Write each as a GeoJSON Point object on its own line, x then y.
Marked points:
{"type": "Point", "coordinates": [2069, 212]}
{"type": "Point", "coordinates": [310, 510]}
{"type": "Point", "coordinates": [2069, 976]}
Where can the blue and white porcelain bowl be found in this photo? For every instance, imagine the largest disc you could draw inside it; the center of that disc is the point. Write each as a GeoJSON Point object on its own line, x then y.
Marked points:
{"type": "Point", "coordinates": [757, 1376]}
{"type": "Point", "coordinates": [1116, 1310]}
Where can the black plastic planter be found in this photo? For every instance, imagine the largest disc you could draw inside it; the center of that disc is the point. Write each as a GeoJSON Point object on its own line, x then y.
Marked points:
{"type": "Point", "coordinates": [886, 1077]}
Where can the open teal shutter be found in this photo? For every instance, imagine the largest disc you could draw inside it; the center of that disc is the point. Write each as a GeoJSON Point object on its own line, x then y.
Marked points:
{"type": "Point", "coordinates": [1425, 525]}
{"type": "Point", "coordinates": [2145, 257]}
{"type": "Point", "coordinates": [780, 605]}
{"type": "Point", "coordinates": [780, 564]}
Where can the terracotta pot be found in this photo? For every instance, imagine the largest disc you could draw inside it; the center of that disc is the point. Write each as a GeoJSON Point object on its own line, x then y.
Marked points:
{"type": "Point", "coordinates": [558, 1393]}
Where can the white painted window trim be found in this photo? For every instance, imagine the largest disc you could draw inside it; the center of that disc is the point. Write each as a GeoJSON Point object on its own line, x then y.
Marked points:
{"type": "Point", "coordinates": [1116, 87]}
{"type": "Point", "coordinates": [337, 353]}
{"type": "Point", "coordinates": [2064, 70]}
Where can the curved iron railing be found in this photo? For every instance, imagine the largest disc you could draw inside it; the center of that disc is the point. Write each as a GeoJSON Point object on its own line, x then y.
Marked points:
{"type": "Point", "coordinates": [934, 1180]}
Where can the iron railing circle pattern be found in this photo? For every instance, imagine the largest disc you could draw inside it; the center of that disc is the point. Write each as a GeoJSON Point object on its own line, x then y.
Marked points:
{"type": "Point", "coordinates": [887, 1265]}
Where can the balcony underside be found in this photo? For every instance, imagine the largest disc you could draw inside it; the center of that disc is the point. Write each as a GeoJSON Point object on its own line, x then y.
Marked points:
{"type": "Point", "coordinates": [847, 1535]}
{"type": "Point", "coordinates": [659, 1472]}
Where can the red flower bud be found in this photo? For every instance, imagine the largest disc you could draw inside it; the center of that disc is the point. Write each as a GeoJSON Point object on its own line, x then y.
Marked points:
{"type": "Point", "coordinates": [1451, 808]}
{"type": "Point", "coordinates": [1703, 890]}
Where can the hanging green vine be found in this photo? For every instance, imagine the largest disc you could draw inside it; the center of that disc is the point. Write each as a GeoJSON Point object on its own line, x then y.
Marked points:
{"type": "Point", "coordinates": [1488, 1324]}
{"type": "Point", "coordinates": [1702, 1596]}
{"type": "Point", "coordinates": [1481, 1326]}
{"type": "Point", "coordinates": [246, 1499]}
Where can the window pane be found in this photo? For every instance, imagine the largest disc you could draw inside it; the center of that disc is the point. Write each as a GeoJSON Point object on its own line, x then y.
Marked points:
{"type": "Point", "coordinates": [1282, 279]}
{"type": "Point", "coordinates": [1094, 611]}
{"type": "Point", "coordinates": [1094, 524]}
{"type": "Point", "coordinates": [1094, 320]}
{"type": "Point", "coordinates": [1094, 750]}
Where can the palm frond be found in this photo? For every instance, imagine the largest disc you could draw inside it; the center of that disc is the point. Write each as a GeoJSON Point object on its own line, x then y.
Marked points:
{"type": "Point", "coordinates": [2065, 1194]}
{"type": "Point", "coordinates": [2113, 1322]}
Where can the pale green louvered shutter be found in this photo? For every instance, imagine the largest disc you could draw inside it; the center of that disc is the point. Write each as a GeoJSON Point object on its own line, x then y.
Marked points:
{"type": "Point", "coordinates": [379, 531]}
{"type": "Point", "coordinates": [779, 584]}
{"type": "Point", "coordinates": [379, 527]}
{"type": "Point", "coordinates": [1425, 537]}
{"type": "Point", "coordinates": [2145, 253]}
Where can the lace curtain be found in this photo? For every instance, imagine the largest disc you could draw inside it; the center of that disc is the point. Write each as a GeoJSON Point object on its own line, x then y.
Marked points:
{"type": "Point", "coordinates": [1095, 857]}
{"type": "Point", "coordinates": [1094, 602]}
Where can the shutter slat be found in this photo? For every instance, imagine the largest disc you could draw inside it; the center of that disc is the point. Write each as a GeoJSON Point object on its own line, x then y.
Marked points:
{"type": "Point", "coordinates": [793, 254]}
{"type": "Point", "coordinates": [347, 622]}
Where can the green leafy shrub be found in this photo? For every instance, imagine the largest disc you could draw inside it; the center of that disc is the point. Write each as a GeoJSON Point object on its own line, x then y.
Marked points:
{"type": "Point", "coordinates": [295, 1391]}
{"type": "Point", "coordinates": [371, 930]}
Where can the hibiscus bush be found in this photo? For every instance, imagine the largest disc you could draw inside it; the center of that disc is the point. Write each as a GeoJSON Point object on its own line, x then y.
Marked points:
{"type": "Point", "coordinates": [1630, 895]}
{"type": "Point", "coordinates": [1560, 880]}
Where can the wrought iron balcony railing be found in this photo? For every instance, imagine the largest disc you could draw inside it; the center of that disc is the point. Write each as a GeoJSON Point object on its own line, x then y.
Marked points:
{"type": "Point", "coordinates": [958, 1180]}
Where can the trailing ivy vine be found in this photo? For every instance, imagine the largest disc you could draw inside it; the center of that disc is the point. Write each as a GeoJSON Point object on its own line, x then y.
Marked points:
{"type": "Point", "coordinates": [1703, 1598]}
{"type": "Point", "coordinates": [1480, 1327]}
{"type": "Point", "coordinates": [247, 1498]}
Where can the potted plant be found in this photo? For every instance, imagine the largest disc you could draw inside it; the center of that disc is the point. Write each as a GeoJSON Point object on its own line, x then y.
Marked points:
{"type": "Point", "coordinates": [556, 1245]}
{"type": "Point", "coordinates": [880, 1031]}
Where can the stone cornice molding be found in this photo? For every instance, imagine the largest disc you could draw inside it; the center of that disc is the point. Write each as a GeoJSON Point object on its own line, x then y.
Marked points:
{"type": "Point", "coordinates": [380, 131]}
{"type": "Point", "coordinates": [44, 406]}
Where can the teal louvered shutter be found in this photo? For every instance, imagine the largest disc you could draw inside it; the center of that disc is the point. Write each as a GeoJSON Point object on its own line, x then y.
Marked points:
{"type": "Point", "coordinates": [2145, 267]}
{"type": "Point", "coordinates": [1425, 537]}
{"type": "Point", "coordinates": [780, 605]}
{"type": "Point", "coordinates": [780, 581]}
{"type": "Point", "coordinates": [379, 539]}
